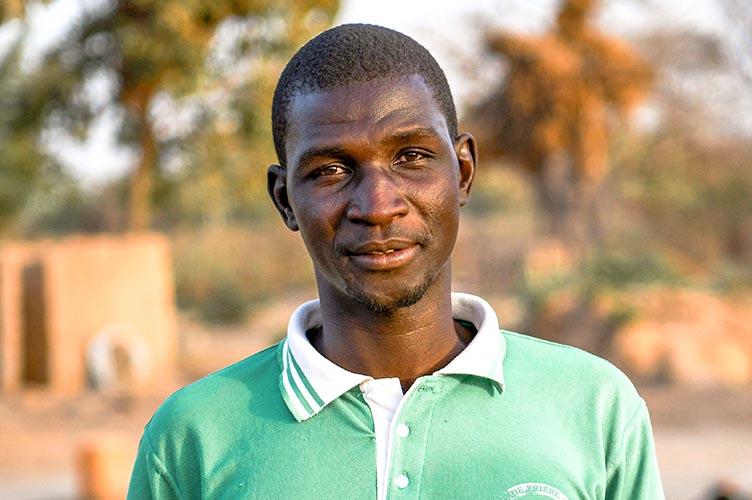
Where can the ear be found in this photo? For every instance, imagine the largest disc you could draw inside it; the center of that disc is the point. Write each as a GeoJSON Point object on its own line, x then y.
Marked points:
{"type": "Point", "coordinates": [466, 150]}
{"type": "Point", "coordinates": [276, 185]}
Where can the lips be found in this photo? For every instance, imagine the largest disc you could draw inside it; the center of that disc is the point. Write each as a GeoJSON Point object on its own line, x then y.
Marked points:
{"type": "Point", "coordinates": [383, 255]}
{"type": "Point", "coordinates": [381, 247]}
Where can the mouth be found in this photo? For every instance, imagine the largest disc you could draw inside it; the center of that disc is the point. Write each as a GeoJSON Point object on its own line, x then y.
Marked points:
{"type": "Point", "coordinates": [386, 252]}
{"type": "Point", "coordinates": [382, 256]}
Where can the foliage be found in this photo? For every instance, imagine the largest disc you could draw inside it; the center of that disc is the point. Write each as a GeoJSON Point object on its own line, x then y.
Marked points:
{"type": "Point", "coordinates": [587, 304]}
{"type": "Point", "coordinates": [498, 190]}
{"type": "Point", "coordinates": [550, 113]}
{"type": "Point", "coordinates": [224, 303]}
{"type": "Point", "coordinates": [59, 206]}
{"type": "Point", "coordinates": [22, 111]}
{"type": "Point", "coordinates": [732, 277]}
{"type": "Point", "coordinates": [616, 270]}
{"type": "Point", "coordinates": [603, 272]}
{"type": "Point", "coordinates": [688, 199]}
{"type": "Point", "coordinates": [146, 50]}
{"type": "Point", "coordinates": [224, 273]}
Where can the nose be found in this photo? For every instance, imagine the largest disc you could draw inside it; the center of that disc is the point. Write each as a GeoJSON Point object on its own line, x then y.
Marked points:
{"type": "Point", "coordinates": [376, 199]}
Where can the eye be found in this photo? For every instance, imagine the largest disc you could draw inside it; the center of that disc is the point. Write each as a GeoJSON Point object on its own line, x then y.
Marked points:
{"type": "Point", "coordinates": [330, 170]}
{"type": "Point", "coordinates": [410, 157]}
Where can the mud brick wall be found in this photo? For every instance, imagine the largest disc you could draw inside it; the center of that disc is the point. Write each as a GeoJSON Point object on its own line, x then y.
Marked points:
{"type": "Point", "coordinates": [58, 297]}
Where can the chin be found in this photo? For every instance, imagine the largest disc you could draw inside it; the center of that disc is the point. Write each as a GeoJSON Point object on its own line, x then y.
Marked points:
{"type": "Point", "coordinates": [383, 305]}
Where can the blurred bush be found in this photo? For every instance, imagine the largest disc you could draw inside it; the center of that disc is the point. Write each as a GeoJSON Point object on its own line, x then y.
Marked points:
{"type": "Point", "coordinates": [224, 302]}
{"type": "Point", "coordinates": [602, 273]}
{"type": "Point", "coordinates": [224, 273]}
{"type": "Point", "coordinates": [614, 270]}
{"type": "Point", "coordinates": [689, 200]}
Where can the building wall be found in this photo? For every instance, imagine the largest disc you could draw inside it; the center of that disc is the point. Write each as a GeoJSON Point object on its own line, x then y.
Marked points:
{"type": "Point", "coordinates": [96, 290]}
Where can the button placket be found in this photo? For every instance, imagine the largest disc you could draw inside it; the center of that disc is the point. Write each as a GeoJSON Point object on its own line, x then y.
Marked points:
{"type": "Point", "coordinates": [409, 437]}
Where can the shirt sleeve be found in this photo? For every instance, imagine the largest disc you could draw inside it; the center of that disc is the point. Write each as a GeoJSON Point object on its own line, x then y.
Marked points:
{"type": "Point", "coordinates": [634, 470]}
{"type": "Point", "coordinates": [150, 480]}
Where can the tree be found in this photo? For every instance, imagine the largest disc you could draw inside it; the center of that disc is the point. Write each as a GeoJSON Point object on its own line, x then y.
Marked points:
{"type": "Point", "coordinates": [550, 115]}
{"type": "Point", "coordinates": [152, 47]}
{"type": "Point", "coordinates": [23, 101]}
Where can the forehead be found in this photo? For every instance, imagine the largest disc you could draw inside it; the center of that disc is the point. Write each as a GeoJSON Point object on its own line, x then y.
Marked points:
{"type": "Point", "coordinates": [362, 111]}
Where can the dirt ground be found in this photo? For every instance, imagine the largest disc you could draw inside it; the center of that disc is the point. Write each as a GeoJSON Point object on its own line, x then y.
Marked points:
{"type": "Point", "coordinates": [702, 434]}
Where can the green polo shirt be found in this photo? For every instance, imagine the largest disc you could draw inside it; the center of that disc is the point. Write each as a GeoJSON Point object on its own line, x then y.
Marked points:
{"type": "Point", "coordinates": [511, 417]}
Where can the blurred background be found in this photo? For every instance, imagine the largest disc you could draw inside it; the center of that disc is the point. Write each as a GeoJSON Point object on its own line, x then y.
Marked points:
{"type": "Point", "coordinates": [139, 251]}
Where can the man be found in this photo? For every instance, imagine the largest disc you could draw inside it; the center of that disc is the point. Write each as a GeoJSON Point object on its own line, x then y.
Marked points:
{"type": "Point", "coordinates": [389, 385]}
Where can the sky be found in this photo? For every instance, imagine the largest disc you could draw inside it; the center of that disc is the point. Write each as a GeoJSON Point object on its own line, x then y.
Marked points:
{"type": "Point", "coordinates": [450, 29]}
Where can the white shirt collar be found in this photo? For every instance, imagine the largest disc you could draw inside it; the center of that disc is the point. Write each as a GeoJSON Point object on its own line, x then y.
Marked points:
{"type": "Point", "coordinates": [309, 381]}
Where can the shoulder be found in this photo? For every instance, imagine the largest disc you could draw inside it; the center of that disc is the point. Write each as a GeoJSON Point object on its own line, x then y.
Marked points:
{"type": "Point", "coordinates": [574, 397]}
{"type": "Point", "coordinates": [559, 359]}
{"type": "Point", "coordinates": [581, 390]}
{"type": "Point", "coordinates": [564, 368]}
{"type": "Point", "coordinates": [251, 381]}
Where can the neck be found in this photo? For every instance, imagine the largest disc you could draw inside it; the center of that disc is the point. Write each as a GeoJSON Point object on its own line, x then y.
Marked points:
{"type": "Point", "coordinates": [405, 343]}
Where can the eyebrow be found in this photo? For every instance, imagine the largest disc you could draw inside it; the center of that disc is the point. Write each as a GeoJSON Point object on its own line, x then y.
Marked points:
{"type": "Point", "coordinates": [415, 133]}
{"type": "Point", "coordinates": [339, 152]}
{"type": "Point", "coordinates": [313, 153]}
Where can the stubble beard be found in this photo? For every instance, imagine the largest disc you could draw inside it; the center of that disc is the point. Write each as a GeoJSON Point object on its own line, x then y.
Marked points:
{"type": "Point", "coordinates": [381, 305]}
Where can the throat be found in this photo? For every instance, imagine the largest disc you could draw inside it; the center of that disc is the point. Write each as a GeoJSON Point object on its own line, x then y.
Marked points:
{"type": "Point", "coordinates": [406, 356]}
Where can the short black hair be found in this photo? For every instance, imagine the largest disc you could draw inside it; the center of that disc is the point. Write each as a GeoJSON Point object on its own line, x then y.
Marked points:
{"type": "Point", "coordinates": [354, 53]}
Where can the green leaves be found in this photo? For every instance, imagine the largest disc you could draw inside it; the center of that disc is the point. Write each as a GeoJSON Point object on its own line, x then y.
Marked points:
{"type": "Point", "coordinates": [142, 49]}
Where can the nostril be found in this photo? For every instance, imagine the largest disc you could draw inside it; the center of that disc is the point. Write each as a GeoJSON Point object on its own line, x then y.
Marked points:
{"type": "Point", "coordinates": [376, 199]}
{"type": "Point", "coordinates": [378, 208]}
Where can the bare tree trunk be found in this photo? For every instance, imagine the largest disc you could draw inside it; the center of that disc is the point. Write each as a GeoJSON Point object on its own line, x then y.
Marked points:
{"type": "Point", "coordinates": [142, 180]}
{"type": "Point", "coordinates": [566, 204]}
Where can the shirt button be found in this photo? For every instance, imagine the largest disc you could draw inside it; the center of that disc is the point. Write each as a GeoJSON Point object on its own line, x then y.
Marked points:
{"type": "Point", "coordinates": [401, 481]}
{"type": "Point", "coordinates": [403, 431]}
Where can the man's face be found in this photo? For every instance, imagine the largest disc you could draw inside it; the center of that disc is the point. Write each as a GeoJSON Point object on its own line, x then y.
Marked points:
{"type": "Point", "coordinates": [374, 183]}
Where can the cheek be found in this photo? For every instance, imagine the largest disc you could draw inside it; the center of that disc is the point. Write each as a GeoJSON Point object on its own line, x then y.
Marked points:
{"type": "Point", "coordinates": [312, 227]}
{"type": "Point", "coordinates": [309, 210]}
{"type": "Point", "coordinates": [318, 214]}
{"type": "Point", "coordinates": [316, 223]}
{"type": "Point", "coordinates": [318, 247]}
{"type": "Point", "coordinates": [445, 215]}
{"type": "Point", "coordinates": [440, 202]}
